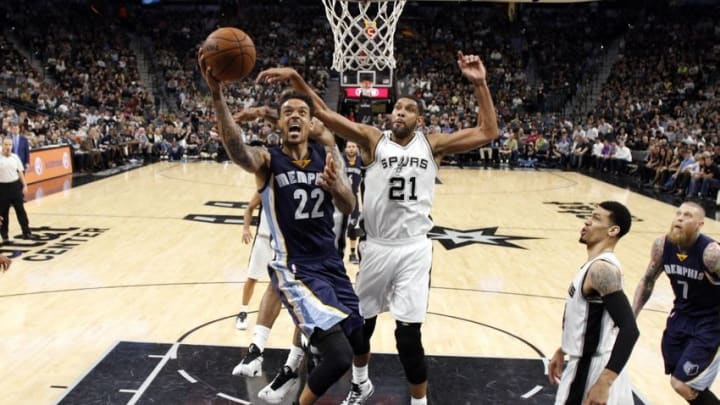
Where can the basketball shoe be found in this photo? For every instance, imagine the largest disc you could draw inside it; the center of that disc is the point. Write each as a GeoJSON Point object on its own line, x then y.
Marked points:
{"type": "Point", "coordinates": [241, 321]}
{"type": "Point", "coordinates": [285, 381]}
{"type": "Point", "coordinates": [251, 364]}
{"type": "Point", "coordinates": [359, 393]}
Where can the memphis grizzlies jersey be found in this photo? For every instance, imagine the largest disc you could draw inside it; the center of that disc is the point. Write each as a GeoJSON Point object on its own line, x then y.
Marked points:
{"type": "Point", "coordinates": [354, 173]}
{"type": "Point", "coordinates": [696, 291]}
{"type": "Point", "coordinates": [587, 326]}
{"type": "Point", "coordinates": [399, 189]}
{"type": "Point", "coordinates": [298, 211]}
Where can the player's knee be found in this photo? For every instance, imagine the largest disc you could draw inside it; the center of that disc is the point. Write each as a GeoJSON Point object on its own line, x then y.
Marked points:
{"type": "Point", "coordinates": [367, 332]}
{"type": "Point", "coordinates": [336, 359]}
{"type": "Point", "coordinates": [681, 388]}
{"type": "Point", "coordinates": [411, 352]}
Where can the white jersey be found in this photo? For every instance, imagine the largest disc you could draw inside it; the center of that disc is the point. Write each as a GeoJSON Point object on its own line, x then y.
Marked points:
{"type": "Point", "coordinates": [262, 229]}
{"type": "Point", "coordinates": [587, 326]}
{"type": "Point", "coordinates": [399, 189]}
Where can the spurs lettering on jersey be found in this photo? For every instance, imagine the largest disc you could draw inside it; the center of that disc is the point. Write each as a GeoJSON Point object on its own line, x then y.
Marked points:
{"type": "Point", "coordinates": [400, 181]}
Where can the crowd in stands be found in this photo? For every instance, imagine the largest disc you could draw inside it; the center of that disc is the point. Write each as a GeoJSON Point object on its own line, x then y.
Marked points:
{"type": "Point", "coordinates": [657, 119]}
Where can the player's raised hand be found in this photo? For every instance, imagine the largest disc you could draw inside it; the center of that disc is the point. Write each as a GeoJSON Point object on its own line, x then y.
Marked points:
{"type": "Point", "coordinates": [472, 67]}
{"type": "Point", "coordinates": [213, 84]}
{"type": "Point", "coordinates": [328, 178]}
{"type": "Point", "coordinates": [319, 133]}
{"type": "Point", "coordinates": [276, 75]}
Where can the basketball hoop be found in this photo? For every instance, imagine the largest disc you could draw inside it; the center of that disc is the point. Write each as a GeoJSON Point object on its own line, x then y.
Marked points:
{"type": "Point", "coordinates": [363, 32]}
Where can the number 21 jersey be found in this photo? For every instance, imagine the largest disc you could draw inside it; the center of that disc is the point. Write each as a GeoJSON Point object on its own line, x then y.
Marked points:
{"type": "Point", "coordinates": [399, 189]}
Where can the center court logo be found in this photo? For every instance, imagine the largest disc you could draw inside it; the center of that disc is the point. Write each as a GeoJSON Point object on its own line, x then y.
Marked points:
{"type": "Point", "coordinates": [452, 238]}
{"type": "Point", "coordinates": [49, 243]}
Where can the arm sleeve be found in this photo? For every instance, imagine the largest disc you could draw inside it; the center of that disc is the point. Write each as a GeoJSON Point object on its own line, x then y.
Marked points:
{"type": "Point", "coordinates": [621, 313]}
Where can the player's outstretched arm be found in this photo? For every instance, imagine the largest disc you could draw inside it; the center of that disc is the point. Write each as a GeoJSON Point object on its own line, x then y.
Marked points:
{"type": "Point", "coordinates": [249, 114]}
{"type": "Point", "coordinates": [487, 128]}
{"type": "Point", "coordinates": [365, 136]}
{"type": "Point", "coordinates": [606, 280]}
{"type": "Point", "coordinates": [647, 283]}
{"type": "Point", "coordinates": [250, 158]}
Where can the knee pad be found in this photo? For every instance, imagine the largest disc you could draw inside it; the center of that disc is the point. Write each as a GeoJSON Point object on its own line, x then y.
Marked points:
{"type": "Point", "coordinates": [336, 359]}
{"type": "Point", "coordinates": [367, 331]}
{"type": "Point", "coordinates": [411, 352]}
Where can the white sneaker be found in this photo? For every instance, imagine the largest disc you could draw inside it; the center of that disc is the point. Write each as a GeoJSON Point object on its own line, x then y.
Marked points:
{"type": "Point", "coordinates": [359, 393]}
{"type": "Point", "coordinates": [251, 364]}
{"type": "Point", "coordinates": [241, 321]}
{"type": "Point", "coordinates": [285, 381]}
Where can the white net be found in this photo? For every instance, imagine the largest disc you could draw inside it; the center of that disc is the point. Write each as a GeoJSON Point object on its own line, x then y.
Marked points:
{"type": "Point", "coordinates": [363, 32]}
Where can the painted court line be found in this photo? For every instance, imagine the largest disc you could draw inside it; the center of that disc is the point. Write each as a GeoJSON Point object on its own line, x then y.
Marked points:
{"type": "Point", "coordinates": [187, 376]}
{"type": "Point", "coordinates": [231, 398]}
{"type": "Point", "coordinates": [532, 392]}
{"type": "Point", "coordinates": [153, 374]}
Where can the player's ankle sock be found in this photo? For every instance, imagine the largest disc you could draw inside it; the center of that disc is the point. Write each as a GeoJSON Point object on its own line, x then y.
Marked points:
{"type": "Point", "coordinates": [418, 401]}
{"type": "Point", "coordinates": [243, 308]}
{"type": "Point", "coordinates": [359, 374]}
{"type": "Point", "coordinates": [705, 398]}
{"type": "Point", "coordinates": [294, 357]}
{"type": "Point", "coordinates": [261, 334]}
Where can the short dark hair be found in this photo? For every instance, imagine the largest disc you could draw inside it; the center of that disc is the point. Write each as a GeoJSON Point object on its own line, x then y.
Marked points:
{"type": "Point", "coordinates": [421, 110]}
{"type": "Point", "coordinates": [294, 95]}
{"type": "Point", "coordinates": [619, 215]}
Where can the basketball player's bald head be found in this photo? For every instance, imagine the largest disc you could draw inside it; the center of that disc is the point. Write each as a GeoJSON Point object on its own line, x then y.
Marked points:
{"type": "Point", "coordinates": [685, 228]}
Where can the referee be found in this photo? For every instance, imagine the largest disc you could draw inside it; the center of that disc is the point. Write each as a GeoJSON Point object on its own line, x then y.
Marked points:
{"type": "Point", "coordinates": [12, 190]}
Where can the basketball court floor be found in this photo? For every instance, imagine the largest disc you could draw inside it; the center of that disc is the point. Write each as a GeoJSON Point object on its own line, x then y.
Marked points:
{"type": "Point", "coordinates": [130, 294]}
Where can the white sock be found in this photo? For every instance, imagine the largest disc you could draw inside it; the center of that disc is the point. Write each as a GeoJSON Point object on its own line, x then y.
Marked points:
{"type": "Point", "coordinates": [416, 401]}
{"type": "Point", "coordinates": [359, 374]}
{"type": "Point", "coordinates": [243, 308]}
{"type": "Point", "coordinates": [295, 357]}
{"type": "Point", "coordinates": [261, 334]}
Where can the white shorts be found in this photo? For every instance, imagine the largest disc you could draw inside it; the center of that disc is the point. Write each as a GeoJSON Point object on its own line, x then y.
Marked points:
{"type": "Point", "coordinates": [620, 391]}
{"type": "Point", "coordinates": [260, 256]}
{"type": "Point", "coordinates": [395, 276]}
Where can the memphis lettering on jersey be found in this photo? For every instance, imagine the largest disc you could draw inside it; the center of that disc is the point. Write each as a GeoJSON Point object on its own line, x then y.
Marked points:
{"type": "Point", "coordinates": [684, 271]}
{"type": "Point", "coordinates": [295, 177]}
{"type": "Point", "coordinates": [404, 161]}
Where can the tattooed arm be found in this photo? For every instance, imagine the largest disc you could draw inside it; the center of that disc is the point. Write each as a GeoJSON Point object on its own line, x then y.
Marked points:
{"type": "Point", "coordinates": [647, 282]}
{"type": "Point", "coordinates": [711, 258]}
{"type": "Point", "coordinates": [334, 178]}
{"type": "Point", "coordinates": [606, 280]}
{"type": "Point", "coordinates": [253, 159]}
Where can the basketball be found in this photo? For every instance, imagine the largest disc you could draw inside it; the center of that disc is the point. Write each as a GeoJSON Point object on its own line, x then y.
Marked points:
{"type": "Point", "coordinates": [230, 53]}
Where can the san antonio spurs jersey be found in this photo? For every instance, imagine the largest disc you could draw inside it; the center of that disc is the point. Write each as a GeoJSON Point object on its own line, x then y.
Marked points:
{"type": "Point", "coordinates": [399, 189]}
{"type": "Point", "coordinates": [587, 326]}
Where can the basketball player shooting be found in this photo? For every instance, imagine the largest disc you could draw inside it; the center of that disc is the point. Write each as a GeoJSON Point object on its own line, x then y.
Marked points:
{"type": "Point", "coordinates": [400, 180]}
{"type": "Point", "coordinates": [299, 184]}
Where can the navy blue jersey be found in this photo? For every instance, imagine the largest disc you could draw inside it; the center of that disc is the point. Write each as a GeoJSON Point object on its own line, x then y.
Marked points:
{"type": "Point", "coordinates": [298, 211]}
{"type": "Point", "coordinates": [696, 290]}
{"type": "Point", "coordinates": [354, 172]}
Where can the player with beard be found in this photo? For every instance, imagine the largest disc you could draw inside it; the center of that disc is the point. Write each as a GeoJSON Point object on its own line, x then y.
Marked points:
{"type": "Point", "coordinates": [599, 330]}
{"type": "Point", "coordinates": [691, 339]}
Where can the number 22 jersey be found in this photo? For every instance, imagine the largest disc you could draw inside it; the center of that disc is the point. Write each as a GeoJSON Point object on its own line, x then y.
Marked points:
{"type": "Point", "coordinates": [299, 212]}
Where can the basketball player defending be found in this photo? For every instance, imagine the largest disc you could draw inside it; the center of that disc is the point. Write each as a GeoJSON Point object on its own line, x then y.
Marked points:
{"type": "Point", "coordinates": [690, 342]}
{"type": "Point", "coordinates": [400, 180]}
{"type": "Point", "coordinates": [299, 182]}
{"type": "Point", "coordinates": [260, 256]}
{"type": "Point", "coordinates": [594, 307]}
{"type": "Point", "coordinates": [353, 168]}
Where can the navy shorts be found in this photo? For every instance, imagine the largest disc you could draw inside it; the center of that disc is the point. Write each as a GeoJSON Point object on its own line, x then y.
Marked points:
{"type": "Point", "coordinates": [690, 347]}
{"type": "Point", "coordinates": [317, 293]}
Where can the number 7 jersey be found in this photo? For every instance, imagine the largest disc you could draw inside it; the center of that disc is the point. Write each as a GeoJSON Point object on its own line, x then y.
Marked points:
{"type": "Point", "coordinates": [298, 211]}
{"type": "Point", "coordinates": [399, 189]}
